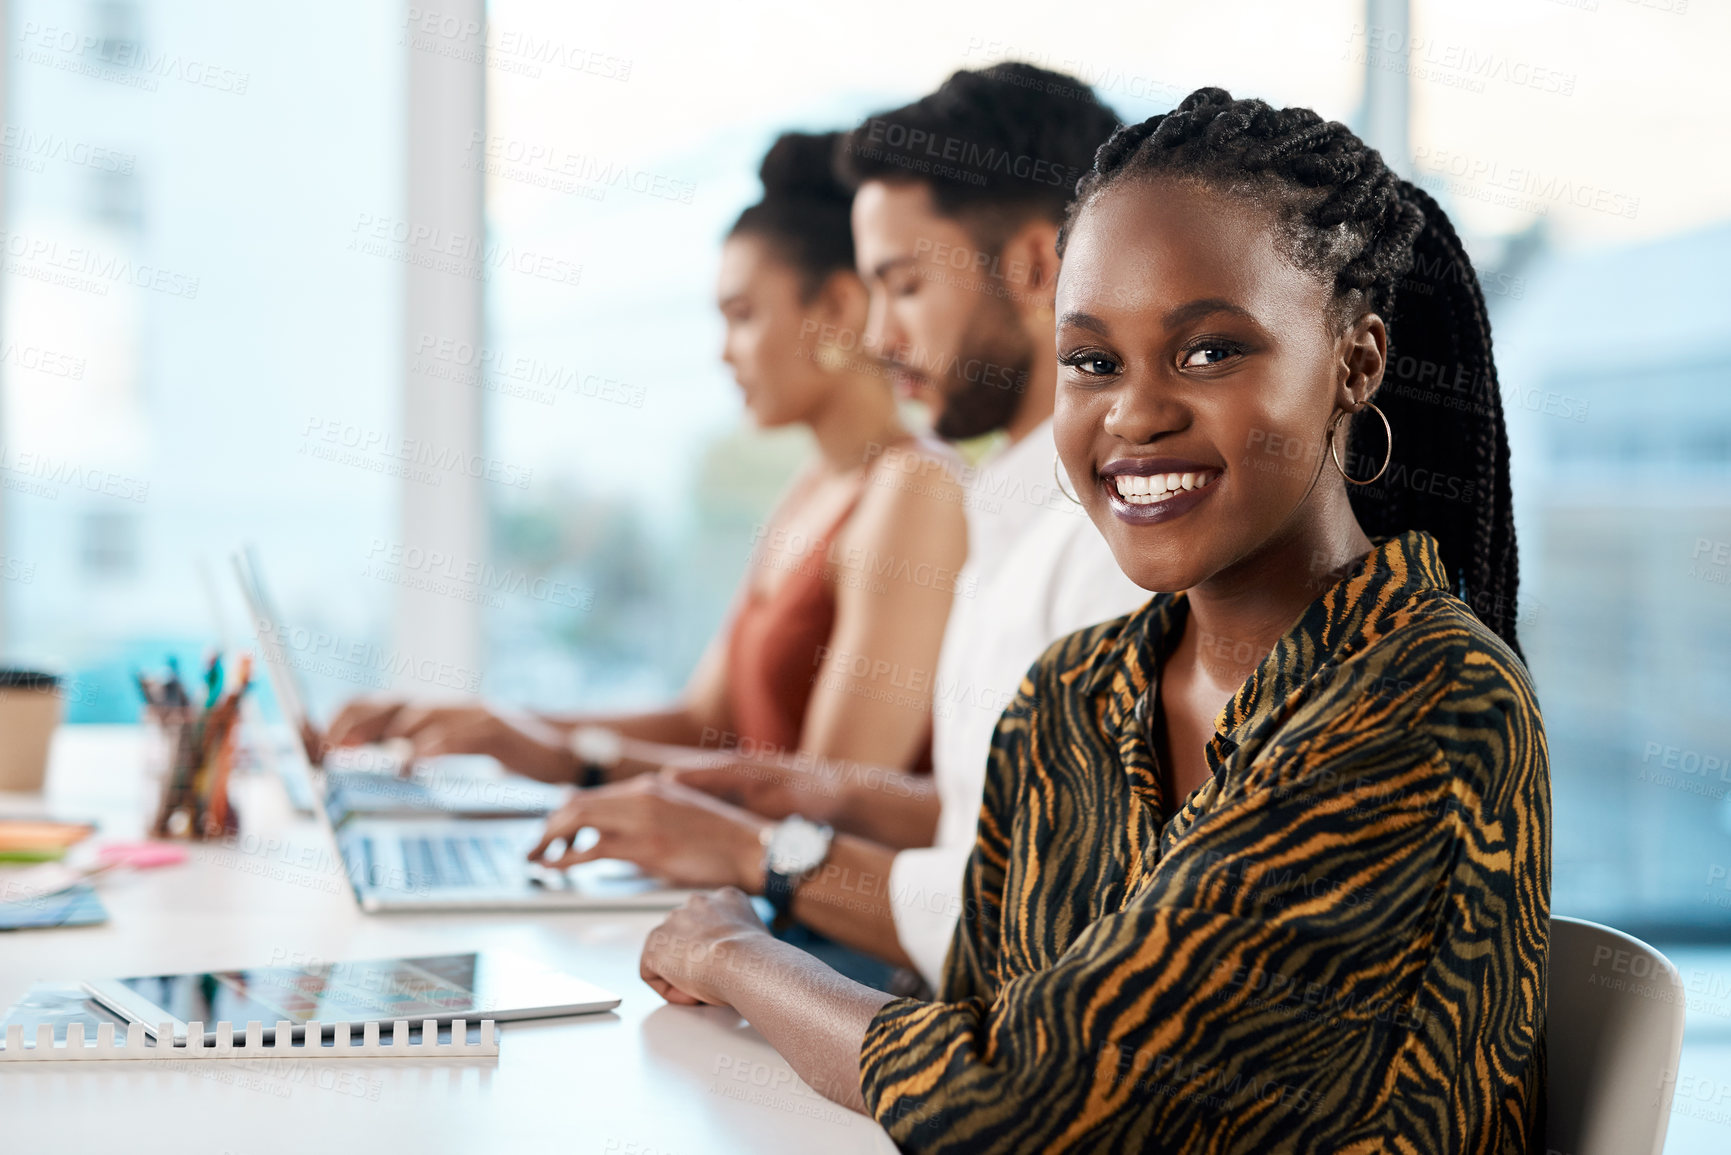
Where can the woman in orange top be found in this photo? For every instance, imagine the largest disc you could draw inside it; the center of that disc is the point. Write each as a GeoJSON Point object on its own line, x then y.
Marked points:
{"type": "Point", "coordinates": [850, 583]}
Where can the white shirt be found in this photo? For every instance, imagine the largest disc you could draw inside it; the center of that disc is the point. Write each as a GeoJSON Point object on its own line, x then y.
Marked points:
{"type": "Point", "coordinates": [1036, 570]}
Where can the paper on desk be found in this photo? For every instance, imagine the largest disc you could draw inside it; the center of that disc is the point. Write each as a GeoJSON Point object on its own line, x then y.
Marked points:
{"type": "Point", "coordinates": [32, 839]}
{"type": "Point", "coordinates": [77, 905]}
{"type": "Point", "coordinates": [33, 882]}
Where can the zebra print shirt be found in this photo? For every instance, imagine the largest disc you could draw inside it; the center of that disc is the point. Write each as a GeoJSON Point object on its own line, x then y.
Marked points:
{"type": "Point", "coordinates": [1337, 943]}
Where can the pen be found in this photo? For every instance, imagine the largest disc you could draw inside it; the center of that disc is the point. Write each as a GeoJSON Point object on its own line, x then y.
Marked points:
{"type": "Point", "coordinates": [213, 680]}
{"type": "Point", "coordinates": [177, 695]}
{"type": "Point", "coordinates": [227, 714]}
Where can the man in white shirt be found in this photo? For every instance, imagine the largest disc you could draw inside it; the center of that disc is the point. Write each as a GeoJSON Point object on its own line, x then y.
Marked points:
{"type": "Point", "coordinates": [956, 214]}
{"type": "Point", "coordinates": [961, 265]}
{"type": "Point", "coordinates": [1037, 570]}
{"type": "Point", "coordinates": [958, 203]}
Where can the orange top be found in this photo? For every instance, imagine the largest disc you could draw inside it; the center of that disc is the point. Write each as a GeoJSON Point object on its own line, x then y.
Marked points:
{"type": "Point", "coordinates": [775, 653]}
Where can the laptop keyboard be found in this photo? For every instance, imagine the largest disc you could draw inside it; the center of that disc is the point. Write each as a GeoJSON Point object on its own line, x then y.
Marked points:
{"type": "Point", "coordinates": [360, 791]}
{"type": "Point", "coordinates": [444, 863]}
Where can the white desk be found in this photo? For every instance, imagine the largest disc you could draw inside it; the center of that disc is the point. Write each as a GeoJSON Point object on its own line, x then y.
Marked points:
{"type": "Point", "coordinates": [647, 1079]}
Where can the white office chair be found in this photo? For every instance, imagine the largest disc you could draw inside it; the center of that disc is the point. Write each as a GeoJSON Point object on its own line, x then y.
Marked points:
{"type": "Point", "coordinates": [1615, 1029]}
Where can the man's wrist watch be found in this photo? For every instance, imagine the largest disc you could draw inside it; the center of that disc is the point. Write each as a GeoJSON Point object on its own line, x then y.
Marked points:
{"type": "Point", "coordinates": [598, 750]}
{"type": "Point", "coordinates": [792, 849]}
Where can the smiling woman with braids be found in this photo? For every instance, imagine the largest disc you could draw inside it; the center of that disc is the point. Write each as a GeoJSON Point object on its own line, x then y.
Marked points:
{"type": "Point", "coordinates": [1265, 865]}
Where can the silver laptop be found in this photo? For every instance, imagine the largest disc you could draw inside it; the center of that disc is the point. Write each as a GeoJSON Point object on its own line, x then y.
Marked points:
{"type": "Point", "coordinates": [437, 840]}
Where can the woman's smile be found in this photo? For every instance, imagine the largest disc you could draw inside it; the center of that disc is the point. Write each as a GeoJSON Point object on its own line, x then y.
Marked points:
{"type": "Point", "coordinates": [1146, 490]}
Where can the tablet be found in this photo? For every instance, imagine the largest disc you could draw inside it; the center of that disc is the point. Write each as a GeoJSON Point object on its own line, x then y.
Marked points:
{"type": "Point", "coordinates": [473, 986]}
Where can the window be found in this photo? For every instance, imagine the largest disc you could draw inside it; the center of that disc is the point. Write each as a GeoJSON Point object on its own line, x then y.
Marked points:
{"type": "Point", "coordinates": [1614, 368]}
{"type": "Point", "coordinates": [182, 323]}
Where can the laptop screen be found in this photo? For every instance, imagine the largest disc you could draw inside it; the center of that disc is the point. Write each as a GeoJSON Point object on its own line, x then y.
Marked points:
{"type": "Point", "coordinates": [285, 682]}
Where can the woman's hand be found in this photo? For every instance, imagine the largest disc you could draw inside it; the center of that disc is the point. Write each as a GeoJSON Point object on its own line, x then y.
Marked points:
{"type": "Point", "coordinates": [689, 958]}
{"type": "Point", "coordinates": [522, 743]}
{"type": "Point", "coordinates": [765, 788]}
{"type": "Point", "coordinates": [714, 950]}
{"type": "Point", "coordinates": [682, 835]}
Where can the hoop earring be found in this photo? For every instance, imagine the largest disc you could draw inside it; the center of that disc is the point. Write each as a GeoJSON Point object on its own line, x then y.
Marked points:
{"type": "Point", "coordinates": [1058, 481]}
{"type": "Point", "coordinates": [1335, 453]}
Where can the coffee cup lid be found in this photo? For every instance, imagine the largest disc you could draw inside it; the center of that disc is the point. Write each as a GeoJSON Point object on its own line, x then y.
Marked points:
{"type": "Point", "coordinates": [18, 679]}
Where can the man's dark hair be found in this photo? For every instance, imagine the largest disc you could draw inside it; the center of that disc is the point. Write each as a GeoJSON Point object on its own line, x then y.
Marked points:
{"type": "Point", "coordinates": [1007, 142]}
{"type": "Point", "coordinates": [1380, 244]}
{"type": "Point", "coordinates": [803, 215]}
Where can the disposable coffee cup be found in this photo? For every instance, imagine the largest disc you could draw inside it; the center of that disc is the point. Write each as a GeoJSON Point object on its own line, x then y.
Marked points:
{"type": "Point", "coordinates": [29, 710]}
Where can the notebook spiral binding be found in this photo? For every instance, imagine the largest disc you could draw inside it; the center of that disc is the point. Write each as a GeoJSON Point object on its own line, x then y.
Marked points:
{"type": "Point", "coordinates": [135, 1046]}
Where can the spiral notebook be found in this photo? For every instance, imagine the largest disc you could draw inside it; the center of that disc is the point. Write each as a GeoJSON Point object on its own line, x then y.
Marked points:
{"type": "Point", "coordinates": [426, 1006]}
{"type": "Point", "coordinates": [57, 1022]}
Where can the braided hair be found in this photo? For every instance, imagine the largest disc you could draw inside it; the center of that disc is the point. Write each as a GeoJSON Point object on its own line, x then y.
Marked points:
{"type": "Point", "coordinates": [804, 211]}
{"type": "Point", "coordinates": [1385, 246]}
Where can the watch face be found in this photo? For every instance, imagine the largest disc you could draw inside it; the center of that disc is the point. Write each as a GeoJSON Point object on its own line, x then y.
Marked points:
{"type": "Point", "coordinates": [598, 744]}
{"type": "Point", "coordinates": [798, 846]}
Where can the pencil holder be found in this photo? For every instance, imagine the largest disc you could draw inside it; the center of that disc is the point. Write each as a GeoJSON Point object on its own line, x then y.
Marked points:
{"type": "Point", "coordinates": [196, 751]}
{"type": "Point", "coordinates": [163, 727]}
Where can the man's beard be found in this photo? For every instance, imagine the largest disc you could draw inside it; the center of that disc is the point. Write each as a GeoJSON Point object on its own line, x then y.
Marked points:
{"type": "Point", "coordinates": [987, 399]}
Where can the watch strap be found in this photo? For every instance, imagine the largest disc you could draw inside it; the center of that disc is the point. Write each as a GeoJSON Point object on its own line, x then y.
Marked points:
{"type": "Point", "coordinates": [598, 749]}
{"type": "Point", "coordinates": [778, 889]}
